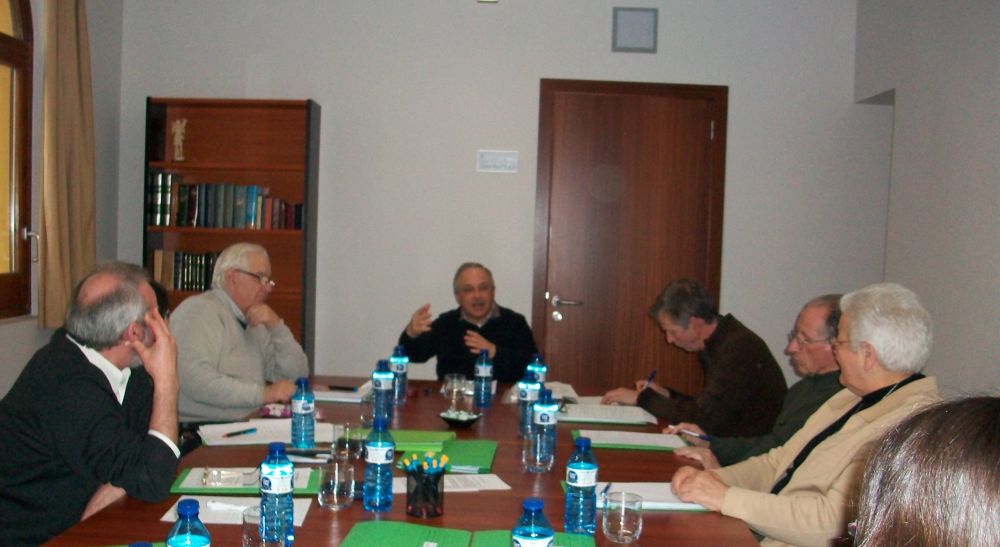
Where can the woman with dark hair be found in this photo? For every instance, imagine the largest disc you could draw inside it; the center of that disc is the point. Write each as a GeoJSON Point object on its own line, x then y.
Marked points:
{"type": "Point", "coordinates": [935, 479]}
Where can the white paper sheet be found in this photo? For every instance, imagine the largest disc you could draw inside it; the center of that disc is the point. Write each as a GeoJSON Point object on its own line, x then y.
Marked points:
{"type": "Point", "coordinates": [459, 483]}
{"type": "Point", "coordinates": [563, 391]}
{"type": "Point", "coordinates": [607, 414]}
{"type": "Point", "coordinates": [268, 430]}
{"type": "Point", "coordinates": [343, 395]}
{"type": "Point", "coordinates": [229, 509]}
{"type": "Point", "coordinates": [604, 437]}
{"type": "Point", "coordinates": [589, 400]}
{"type": "Point", "coordinates": [234, 477]}
{"type": "Point", "coordinates": [655, 496]}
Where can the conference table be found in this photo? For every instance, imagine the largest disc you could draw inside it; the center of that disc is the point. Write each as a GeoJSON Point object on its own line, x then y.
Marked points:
{"type": "Point", "coordinates": [130, 520]}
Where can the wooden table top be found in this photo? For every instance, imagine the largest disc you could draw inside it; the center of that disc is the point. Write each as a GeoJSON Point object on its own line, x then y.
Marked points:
{"type": "Point", "coordinates": [130, 520]}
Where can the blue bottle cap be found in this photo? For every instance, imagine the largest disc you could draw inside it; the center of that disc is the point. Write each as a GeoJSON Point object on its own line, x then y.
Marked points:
{"type": "Point", "coordinates": [187, 508]}
{"type": "Point", "coordinates": [383, 365]}
{"type": "Point", "coordinates": [545, 396]}
{"type": "Point", "coordinates": [302, 382]}
{"type": "Point", "coordinates": [530, 377]}
{"type": "Point", "coordinates": [276, 449]}
{"type": "Point", "coordinates": [583, 443]}
{"type": "Point", "coordinates": [398, 351]}
{"type": "Point", "coordinates": [532, 504]}
{"type": "Point", "coordinates": [483, 353]}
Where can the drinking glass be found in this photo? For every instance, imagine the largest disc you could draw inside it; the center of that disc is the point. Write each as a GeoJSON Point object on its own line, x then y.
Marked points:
{"type": "Point", "coordinates": [454, 386]}
{"type": "Point", "coordinates": [336, 484]}
{"type": "Point", "coordinates": [622, 517]}
{"type": "Point", "coordinates": [350, 444]}
{"type": "Point", "coordinates": [251, 529]}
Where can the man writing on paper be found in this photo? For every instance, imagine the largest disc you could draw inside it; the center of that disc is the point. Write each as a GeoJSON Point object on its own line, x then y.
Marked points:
{"type": "Point", "coordinates": [234, 352]}
{"type": "Point", "coordinates": [744, 386]}
{"type": "Point", "coordinates": [84, 424]}
{"type": "Point", "coordinates": [799, 493]}
{"type": "Point", "coordinates": [457, 336]}
{"type": "Point", "coordinates": [811, 356]}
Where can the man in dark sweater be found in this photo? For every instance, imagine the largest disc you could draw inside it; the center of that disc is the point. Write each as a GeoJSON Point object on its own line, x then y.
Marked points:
{"type": "Point", "coordinates": [80, 428]}
{"type": "Point", "coordinates": [811, 356]}
{"type": "Point", "coordinates": [457, 336]}
{"type": "Point", "coordinates": [744, 386]}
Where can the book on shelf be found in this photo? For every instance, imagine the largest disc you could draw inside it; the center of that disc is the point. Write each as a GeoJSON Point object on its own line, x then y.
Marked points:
{"type": "Point", "coordinates": [239, 206]}
{"type": "Point", "coordinates": [153, 198]}
{"type": "Point", "coordinates": [250, 218]}
{"type": "Point", "coordinates": [181, 218]}
{"type": "Point", "coordinates": [227, 206]}
{"type": "Point", "coordinates": [208, 197]}
{"type": "Point", "coordinates": [192, 218]}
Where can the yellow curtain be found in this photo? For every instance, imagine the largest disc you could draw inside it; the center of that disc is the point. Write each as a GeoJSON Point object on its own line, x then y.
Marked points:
{"type": "Point", "coordinates": [67, 247]}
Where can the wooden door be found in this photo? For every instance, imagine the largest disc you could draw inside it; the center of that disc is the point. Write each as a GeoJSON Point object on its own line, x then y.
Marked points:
{"type": "Point", "coordinates": [630, 188]}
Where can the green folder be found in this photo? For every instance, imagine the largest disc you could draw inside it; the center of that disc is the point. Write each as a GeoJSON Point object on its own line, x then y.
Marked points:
{"type": "Point", "coordinates": [416, 440]}
{"type": "Point", "coordinates": [311, 488]}
{"type": "Point", "coordinates": [476, 456]}
{"type": "Point", "coordinates": [404, 534]}
{"type": "Point", "coordinates": [576, 433]}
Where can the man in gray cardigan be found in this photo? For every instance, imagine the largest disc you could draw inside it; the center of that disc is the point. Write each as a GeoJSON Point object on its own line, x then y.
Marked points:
{"type": "Point", "coordinates": [234, 352]}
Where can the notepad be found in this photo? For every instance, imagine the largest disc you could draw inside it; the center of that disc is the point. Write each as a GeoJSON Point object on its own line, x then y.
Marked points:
{"type": "Point", "coordinates": [459, 483]}
{"type": "Point", "coordinates": [607, 414]}
{"type": "Point", "coordinates": [240, 481]}
{"type": "Point", "coordinates": [630, 440]}
{"type": "Point", "coordinates": [268, 431]}
{"type": "Point", "coordinates": [405, 534]}
{"type": "Point", "coordinates": [229, 510]}
{"type": "Point", "coordinates": [656, 496]}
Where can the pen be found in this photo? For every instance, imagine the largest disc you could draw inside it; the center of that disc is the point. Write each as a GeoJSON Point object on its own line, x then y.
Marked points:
{"type": "Point", "coordinates": [604, 492]}
{"type": "Point", "coordinates": [241, 432]}
{"type": "Point", "coordinates": [696, 435]}
{"type": "Point", "coordinates": [650, 378]}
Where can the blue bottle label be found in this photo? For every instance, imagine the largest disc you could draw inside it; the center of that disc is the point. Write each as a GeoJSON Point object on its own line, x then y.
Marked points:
{"type": "Point", "coordinates": [545, 417]}
{"type": "Point", "coordinates": [527, 394]}
{"type": "Point", "coordinates": [484, 370]}
{"type": "Point", "coordinates": [300, 406]}
{"type": "Point", "coordinates": [398, 368]}
{"type": "Point", "coordinates": [532, 542]}
{"type": "Point", "coordinates": [382, 383]}
{"type": "Point", "coordinates": [581, 478]}
{"type": "Point", "coordinates": [379, 454]}
{"type": "Point", "coordinates": [281, 484]}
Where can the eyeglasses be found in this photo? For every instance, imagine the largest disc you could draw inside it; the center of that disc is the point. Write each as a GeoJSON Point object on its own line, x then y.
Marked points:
{"type": "Point", "coordinates": [802, 339]}
{"type": "Point", "coordinates": [263, 279]}
{"type": "Point", "coordinates": [834, 342]}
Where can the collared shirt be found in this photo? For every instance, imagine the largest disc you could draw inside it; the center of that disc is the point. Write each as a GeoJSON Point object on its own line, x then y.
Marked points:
{"type": "Point", "coordinates": [494, 313]}
{"type": "Point", "coordinates": [118, 378]}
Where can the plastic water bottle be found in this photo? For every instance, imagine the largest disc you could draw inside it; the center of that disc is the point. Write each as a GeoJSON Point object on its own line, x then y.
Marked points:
{"type": "Point", "coordinates": [276, 482]}
{"type": "Point", "coordinates": [539, 367]}
{"type": "Point", "coordinates": [533, 529]}
{"type": "Point", "coordinates": [399, 363]}
{"type": "Point", "coordinates": [483, 386]}
{"type": "Point", "coordinates": [379, 452]}
{"type": "Point", "coordinates": [527, 394]}
{"type": "Point", "coordinates": [540, 453]}
{"type": "Point", "coordinates": [188, 530]}
{"type": "Point", "coordinates": [581, 486]}
{"type": "Point", "coordinates": [303, 415]}
{"type": "Point", "coordinates": [382, 391]}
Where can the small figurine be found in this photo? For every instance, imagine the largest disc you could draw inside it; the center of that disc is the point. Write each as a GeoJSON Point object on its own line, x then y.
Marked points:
{"type": "Point", "coordinates": [177, 130]}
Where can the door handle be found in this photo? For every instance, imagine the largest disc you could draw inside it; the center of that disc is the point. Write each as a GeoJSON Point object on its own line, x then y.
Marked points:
{"type": "Point", "coordinates": [556, 301]}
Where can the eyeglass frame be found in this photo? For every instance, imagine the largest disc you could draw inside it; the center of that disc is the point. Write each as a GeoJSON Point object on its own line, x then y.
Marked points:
{"type": "Point", "coordinates": [802, 339]}
{"type": "Point", "coordinates": [261, 278]}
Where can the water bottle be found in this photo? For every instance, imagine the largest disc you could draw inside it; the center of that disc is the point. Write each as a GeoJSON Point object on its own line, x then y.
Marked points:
{"type": "Point", "coordinates": [276, 477]}
{"type": "Point", "coordinates": [303, 415]}
{"type": "Point", "coordinates": [581, 486]}
{"type": "Point", "coordinates": [527, 394]}
{"type": "Point", "coordinates": [398, 363]}
{"type": "Point", "coordinates": [540, 452]}
{"type": "Point", "coordinates": [533, 529]}
{"type": "Point", "coordinates": [382, 391]}
{"type": "Point", "coordinates": [188, 530]}
{"type": "Point", "coordinates": [379, 451]}
{"type": "Point", "coordinates": [483, 386]}
{"type": "Point", "coordinates": [539, 367]}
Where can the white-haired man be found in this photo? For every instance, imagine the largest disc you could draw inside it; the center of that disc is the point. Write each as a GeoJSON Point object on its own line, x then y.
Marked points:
{"type": "Point", "coordinates": [234, 353]}
{"type": "Point", "coordinates": [799, 493]}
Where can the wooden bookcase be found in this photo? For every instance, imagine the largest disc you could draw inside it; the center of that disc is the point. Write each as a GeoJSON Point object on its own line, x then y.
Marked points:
{"type": "Point", "coordinates": [266, 144]}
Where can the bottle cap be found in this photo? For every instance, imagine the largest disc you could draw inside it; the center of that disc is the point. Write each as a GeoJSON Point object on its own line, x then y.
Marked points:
{"type": "Point", "coordinates": [530, 377]}
{"type": "Point", "coordinates": [398, 351]}
{"type": "Point", "coordinates": [187, 508]}
{"type": "Point", "coordinates": [545, 396]}
{"type": "Point", "coordinates": [276, 449]}
{"type": "Point", "coordinates": [532, 504]}
{"type": "Point", "coordinates": [583, 443]}
{"type": "Point", "coordinates": [302, 382]}
{"type": "Point", "coordinates": [484, 353]}
{"type": "Point", "coordinates": [383, 365]}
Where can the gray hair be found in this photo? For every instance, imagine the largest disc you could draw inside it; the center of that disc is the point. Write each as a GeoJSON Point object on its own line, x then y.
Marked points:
{"type": "Point", "coordinates": [830, 302]}
{"type": "Point", "coordinates": [466, 266]}
{"type": "Point", "coordinates": [236, 256]}
{"type": "Point", "coordinates": [683, 299]}
{"type": "Point", "coordinates": [99, 321]}
{"type": "Point", "coordinates": [890, 318]}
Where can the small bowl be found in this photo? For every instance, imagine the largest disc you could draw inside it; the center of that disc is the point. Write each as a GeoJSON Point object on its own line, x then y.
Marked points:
{"type": "Point", "coordinates": [459, 418]}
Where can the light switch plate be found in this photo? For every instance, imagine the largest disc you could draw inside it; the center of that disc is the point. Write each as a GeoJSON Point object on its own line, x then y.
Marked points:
{"type": "Point", "coordinates": [497, 161]}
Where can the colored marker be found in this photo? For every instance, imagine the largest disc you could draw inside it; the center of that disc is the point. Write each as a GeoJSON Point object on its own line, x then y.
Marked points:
{"type": "Point", "coordinates": [241, 432]}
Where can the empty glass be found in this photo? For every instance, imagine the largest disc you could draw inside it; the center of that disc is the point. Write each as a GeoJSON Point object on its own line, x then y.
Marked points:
{"type": "Point", "coordinates": [251, 529]}
{"type": "Point", "coordinates": [336, 484]}
{"type": "Point", "coordinates": [454, 388]}
{"type": "Point", "coordinates": [622, 517]}
{"type": "Point", "coordinates": [351, 443]}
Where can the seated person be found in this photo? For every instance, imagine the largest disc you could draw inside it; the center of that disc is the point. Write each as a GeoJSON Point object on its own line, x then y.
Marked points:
{"type": "Point", "coordinates": [799, 493]}
{"type": "Point", "coordinates": [935, 479]}
{"type": "Point", "coordinates": [85, 424]}
{"type": "Point", "coordinates": [744, 386]}
{"type": "Point", "coordinates": [234, 353]}
{"type": "Point", "coordinates": [457, 336]}
{"type": "Point", "coordinates": [812, 358]}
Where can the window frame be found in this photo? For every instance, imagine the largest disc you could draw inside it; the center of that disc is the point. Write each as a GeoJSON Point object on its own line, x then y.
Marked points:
{"type": "Point", "coordinates": [17, 53]}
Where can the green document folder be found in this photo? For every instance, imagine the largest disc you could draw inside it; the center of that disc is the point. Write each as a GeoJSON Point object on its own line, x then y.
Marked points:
{"type": "Point", "coordinates": [311, 488]}
{"type": "Point", "coordinates": [404, 534]}
{"type": "Point", "coordinates": [416, 440]}
{"type": "Point", "coordinates": [471, 457]}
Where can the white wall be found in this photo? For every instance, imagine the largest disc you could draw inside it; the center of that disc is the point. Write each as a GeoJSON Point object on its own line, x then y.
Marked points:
{"type": "Point", "coordinates": [104, 23]}
{"type": "Point", "coordinates": [943, 227]}
{"type": "Point", "coordinates": [410, 90]}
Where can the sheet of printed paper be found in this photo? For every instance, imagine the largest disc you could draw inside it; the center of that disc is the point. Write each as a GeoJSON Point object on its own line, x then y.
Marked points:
{"type": "Point", "coordinates": [232, 477]}
{"type": "Point", "coordinates": [229, 509]}
{"type": "Point", "coordinates": [607, 414]}
{"type": "Point", "coordinates": [632, 438]}
{"type": "Point", "coordinates": [655, 495]}
{"type": "Point", "coordinates": [268, 430]}
{"type": "Point", "coordinates": [459, 483]}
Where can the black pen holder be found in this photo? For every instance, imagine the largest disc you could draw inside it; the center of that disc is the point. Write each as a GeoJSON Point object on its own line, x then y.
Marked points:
{"type": "Point", "coordinates": [425, 494]}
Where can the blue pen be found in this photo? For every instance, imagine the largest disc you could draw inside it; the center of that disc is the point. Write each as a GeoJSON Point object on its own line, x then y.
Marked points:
{"type": "Point", "coordinates": [696, 435]}
{"type": "Point", "coordinates": [651, 376]}
{"type": "Point", "coordinates": [241, 432]}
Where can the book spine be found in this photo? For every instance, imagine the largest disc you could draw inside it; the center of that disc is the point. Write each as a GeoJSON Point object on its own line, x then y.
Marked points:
{"type": "Point", "coordinates": [251, 216]}
{"type": "Point", "coordinates": [239, 206]}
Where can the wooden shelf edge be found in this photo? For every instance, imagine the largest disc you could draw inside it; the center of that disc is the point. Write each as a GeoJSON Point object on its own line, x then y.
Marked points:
{"type": "Point", "coordinates": [226, 166]}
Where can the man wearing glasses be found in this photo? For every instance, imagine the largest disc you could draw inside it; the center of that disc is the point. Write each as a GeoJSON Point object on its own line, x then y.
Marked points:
{"type": "Point", "coordinates": [811, 356]}
{"type": "Point", "coordinates": [234, 352]}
